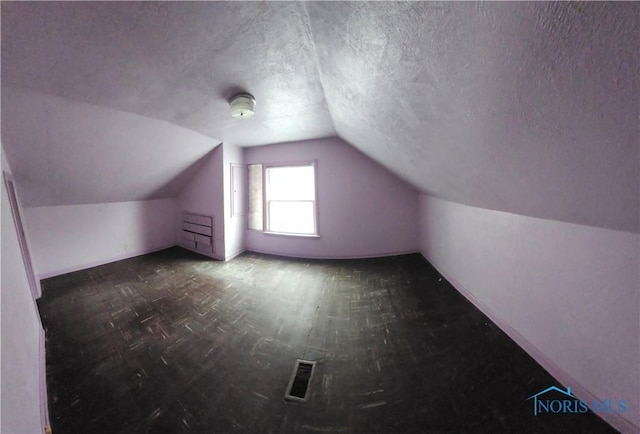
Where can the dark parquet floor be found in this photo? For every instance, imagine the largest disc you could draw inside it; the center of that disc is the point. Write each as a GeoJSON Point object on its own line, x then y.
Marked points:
{"type": "Point", "coordinates": [172, 342]}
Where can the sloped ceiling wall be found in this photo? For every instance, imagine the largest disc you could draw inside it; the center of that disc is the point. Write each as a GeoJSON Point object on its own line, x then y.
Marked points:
{"type": "Point", "coordinates": [529, 108]}
{"type": "Point", "coordinates": [66, 153]}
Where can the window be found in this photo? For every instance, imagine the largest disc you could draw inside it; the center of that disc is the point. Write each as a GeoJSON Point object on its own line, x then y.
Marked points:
{"type": "Point", "coordinates": [287, 203]}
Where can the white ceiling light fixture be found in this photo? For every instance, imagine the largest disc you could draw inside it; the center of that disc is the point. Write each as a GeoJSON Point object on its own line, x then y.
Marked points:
{"type": "Point", "coordinates": [242, 105]}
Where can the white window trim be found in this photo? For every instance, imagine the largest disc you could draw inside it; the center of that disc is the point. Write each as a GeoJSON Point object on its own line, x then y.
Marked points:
{"type": "Point", "coordinates": [265, 210]}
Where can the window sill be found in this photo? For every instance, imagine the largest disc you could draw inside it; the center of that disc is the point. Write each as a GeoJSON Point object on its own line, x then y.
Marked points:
{"type": "Point", "coordinates": [286, 234]}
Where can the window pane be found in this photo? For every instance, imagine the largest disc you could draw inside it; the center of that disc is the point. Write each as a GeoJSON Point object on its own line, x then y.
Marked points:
{"type": "Point", "coordinates": [255, 196]}
{"type": "Point", "coordinates": [291, 183]}
{"type": "Point", "coordinates": [292, 217]}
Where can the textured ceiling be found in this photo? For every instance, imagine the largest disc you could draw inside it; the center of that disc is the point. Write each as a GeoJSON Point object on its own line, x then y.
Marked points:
{"type": "Point", "coordinates": [529, 108]}
{"type": "Point", "coordinates": [175, 61]}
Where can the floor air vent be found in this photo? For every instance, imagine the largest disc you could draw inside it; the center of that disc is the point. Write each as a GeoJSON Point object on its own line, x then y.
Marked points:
{"type": "Point", "coordinates": [300, 379]}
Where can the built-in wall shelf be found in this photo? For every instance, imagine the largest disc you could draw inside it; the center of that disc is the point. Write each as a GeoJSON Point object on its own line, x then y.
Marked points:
{"type": "Point", "coordinates": [197, 233]}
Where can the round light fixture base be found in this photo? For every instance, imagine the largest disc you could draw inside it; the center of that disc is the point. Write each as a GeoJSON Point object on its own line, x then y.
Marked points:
{"type": "Point", "coordinates": [242, 105]}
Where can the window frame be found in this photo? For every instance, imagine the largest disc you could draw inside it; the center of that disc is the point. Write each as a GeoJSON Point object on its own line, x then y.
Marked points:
{"type": "Point", "coordinates": [250, 202]}
{"type": "Point", "coordinates": [265, 203]}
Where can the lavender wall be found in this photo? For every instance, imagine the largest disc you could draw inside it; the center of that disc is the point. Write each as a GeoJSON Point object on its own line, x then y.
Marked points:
{"type": "Point", "coordinates": [364, 210]}
{"type": "Point", "coordinates": [234, 226]}
{"type": "Point", "coordinates": [21, 362]}
{"type": "Point", "coordinates": [204, 195]}
{"type": "Point", "coordinates": [567, 293]}
{"type": "Point", "coordinates": [72, 237]}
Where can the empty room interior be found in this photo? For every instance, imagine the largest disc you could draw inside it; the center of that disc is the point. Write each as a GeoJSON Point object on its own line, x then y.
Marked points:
{"type": "Point", "coordinates": [320, 217]}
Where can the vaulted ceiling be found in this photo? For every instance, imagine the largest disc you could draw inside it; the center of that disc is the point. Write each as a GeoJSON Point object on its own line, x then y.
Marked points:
{"type": "Point", "coordinates": [528, 108]}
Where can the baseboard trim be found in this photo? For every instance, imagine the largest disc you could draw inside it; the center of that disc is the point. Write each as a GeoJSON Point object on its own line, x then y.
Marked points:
{"type": "Point", "coordinates": [97, 263]}
{"type": "Point", "coordinates": [297, 256]}
{"type": "Point", "coordinates": [208, 255]}
{"type": "Point", "coordinates": [44, 402]}
{"type": "Point", "coordinates": [617, 421]}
